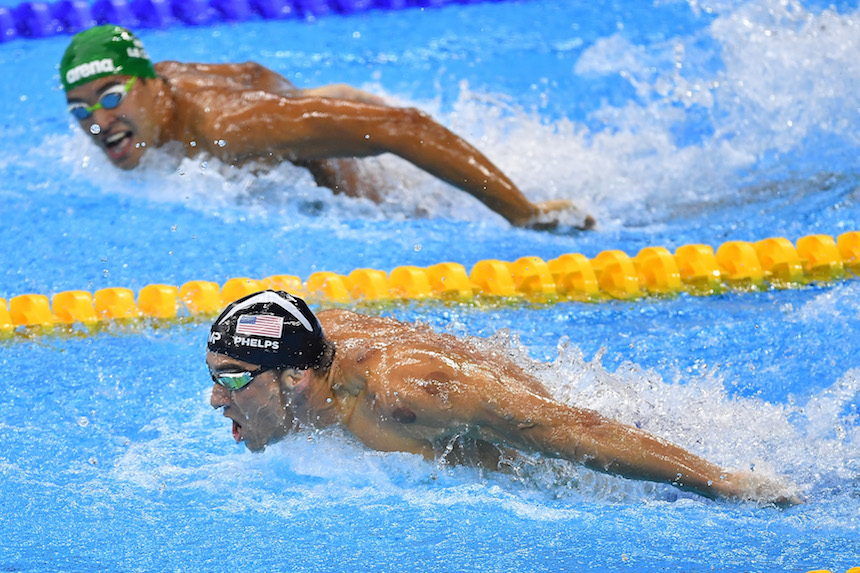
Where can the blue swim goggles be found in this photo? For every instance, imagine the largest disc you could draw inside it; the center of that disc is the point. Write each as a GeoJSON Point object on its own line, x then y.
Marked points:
{"type": "Point", "coordinates": [236, 380]}
{"type": "Point", "coordinates": [110, 99]}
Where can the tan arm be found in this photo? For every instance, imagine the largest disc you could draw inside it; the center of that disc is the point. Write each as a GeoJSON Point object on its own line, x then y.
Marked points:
{"type": "Point", "coordinates": [555, 429]}
{"type": "Point", "coordinates": [584, 436]}
{"type": "Point", "coordinates": [447, 389]}
{"type": "Point", "coordinates": [298, 129]}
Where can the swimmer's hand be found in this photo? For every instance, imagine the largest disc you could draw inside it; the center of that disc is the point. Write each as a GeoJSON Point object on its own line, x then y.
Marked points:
{"type": "Point", "coordinates": [759, 488]}
{"type": "Point", "coordinates": [559, 214]}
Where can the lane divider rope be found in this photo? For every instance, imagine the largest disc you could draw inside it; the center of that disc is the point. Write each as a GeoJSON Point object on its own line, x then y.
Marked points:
{"type": "Point", "coordinates": [42, 19]}
{"type": "Point", "coordinates": [654, 272]}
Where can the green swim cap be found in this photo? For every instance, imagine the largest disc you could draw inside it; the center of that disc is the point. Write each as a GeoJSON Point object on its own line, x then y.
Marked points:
{"type": "Point", "coordinates": [103, 51]}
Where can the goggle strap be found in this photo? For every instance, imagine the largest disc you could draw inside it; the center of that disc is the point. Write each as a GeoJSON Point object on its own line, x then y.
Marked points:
{"type": "Point", "coordinates": [120, 95]}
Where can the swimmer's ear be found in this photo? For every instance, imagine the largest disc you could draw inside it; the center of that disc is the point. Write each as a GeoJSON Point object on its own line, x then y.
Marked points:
{"type": "Point", "coordinates": [291, 378]}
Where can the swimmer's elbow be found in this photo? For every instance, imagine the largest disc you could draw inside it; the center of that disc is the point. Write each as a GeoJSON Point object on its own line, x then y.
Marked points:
{"type": "Point", "coordinates": [415, 117]}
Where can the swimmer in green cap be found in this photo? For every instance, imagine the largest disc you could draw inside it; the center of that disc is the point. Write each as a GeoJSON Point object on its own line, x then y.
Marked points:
{"type": "Point", "coordinates": [240, 113]}
{"type": "Point", "coordinates": [401, 387]}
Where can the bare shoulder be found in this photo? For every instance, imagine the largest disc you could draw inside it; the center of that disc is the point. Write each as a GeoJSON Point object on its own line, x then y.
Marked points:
{"type": "Point", "coordinates": [337, 320]}
{"type": "Point", "coordinates": [393, 334]}
{"type": "Point", "coordinates": [164, 66]}
{"type": "Point", "coordinates": [415, 351]}
{"type": "Point", "coordinates": [366, 339]}
{"type": "Point", "coordinates": [171, 68]}
{"type": "Point", "coordinates": [235, 77]}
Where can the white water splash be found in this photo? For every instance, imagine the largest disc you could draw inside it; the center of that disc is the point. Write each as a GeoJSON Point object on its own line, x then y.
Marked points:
{"type": "Point", "coordinates": [787, 75]}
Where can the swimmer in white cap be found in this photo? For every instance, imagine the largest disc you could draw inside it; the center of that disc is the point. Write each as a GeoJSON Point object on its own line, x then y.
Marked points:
{"type": "Point", "coordinates": [403, 387]}
{"type": "Point", "coordinates": [240, 113]}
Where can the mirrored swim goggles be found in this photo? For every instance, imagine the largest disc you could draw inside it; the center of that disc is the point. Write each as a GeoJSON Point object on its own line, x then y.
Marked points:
{"type": "Point", "coordinates": [236, 380]}
{"type": "Point", "coordinates": [109, 99]}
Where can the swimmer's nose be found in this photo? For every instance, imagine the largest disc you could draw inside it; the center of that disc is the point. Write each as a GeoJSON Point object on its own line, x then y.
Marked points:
{"type": "Point", "coordinates": [103, 117]}
{"type": "Point", "coordinates": [220, 396]}
{"type": "Point", "coordinates": [101, 122]}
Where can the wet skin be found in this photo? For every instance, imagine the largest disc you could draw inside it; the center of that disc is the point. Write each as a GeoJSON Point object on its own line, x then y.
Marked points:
{"type": "Point", "coordinates": [124, 132]}
{"type": "Point", "coordinates": [241, 113]}
{"type": "Point", "coordinates": [260, 411]}
{"type": "Point", "coordinates": [403, 387]}
{"type": "Point", "coordinates": [272, 405]}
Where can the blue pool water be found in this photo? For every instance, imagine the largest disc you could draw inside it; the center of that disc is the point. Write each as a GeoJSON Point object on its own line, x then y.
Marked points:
{"type": "Point", "coordinates": [673, 122]}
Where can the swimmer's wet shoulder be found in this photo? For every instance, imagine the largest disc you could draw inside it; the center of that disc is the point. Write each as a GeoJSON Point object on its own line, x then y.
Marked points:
{"type": "Point", "coordinates": [401, 387]}
{"type": "Point", "coordinates": [243, 112]}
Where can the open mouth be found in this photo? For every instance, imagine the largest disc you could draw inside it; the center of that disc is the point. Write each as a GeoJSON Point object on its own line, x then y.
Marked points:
{"type": "Point", "coordinates": [118, 144]}
{"type": "Point", "coordinates": [237, 432]}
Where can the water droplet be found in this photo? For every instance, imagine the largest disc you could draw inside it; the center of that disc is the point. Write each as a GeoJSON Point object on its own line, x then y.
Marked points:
{"type": "Point", "coordinates": [95, 129]}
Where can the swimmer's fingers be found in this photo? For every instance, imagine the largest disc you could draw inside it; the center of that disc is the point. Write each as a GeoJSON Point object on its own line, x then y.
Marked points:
{"type": "Point", "coordinates": [789, 501]}
{"type": "Point", "coordinates": [763, 489]}
{"type": "Point", "coordinates": [559, 214]}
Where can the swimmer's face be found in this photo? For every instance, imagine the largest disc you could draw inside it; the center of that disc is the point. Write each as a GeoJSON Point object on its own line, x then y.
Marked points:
{"type": "Point", "coordinates": [261, 412]}
{"type": "Point", "coordinates": [124, 132]}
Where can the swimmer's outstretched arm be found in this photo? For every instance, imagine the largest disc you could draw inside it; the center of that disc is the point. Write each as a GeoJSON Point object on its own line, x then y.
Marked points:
{"type": "Point", "coordinates": [584, 436]}
{"type": "Point", "coordinates": [317, 128]}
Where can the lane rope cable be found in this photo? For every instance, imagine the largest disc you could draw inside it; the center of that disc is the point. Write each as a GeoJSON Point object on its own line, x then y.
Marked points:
{"type": "Point", "coordinates": [655, 272]}
{"type": "Point", "coordinates": [32, 20]}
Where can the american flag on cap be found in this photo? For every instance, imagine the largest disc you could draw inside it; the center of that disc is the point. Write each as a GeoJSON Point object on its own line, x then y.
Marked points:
{"type": "Point", "coordinates": [267, 325]}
